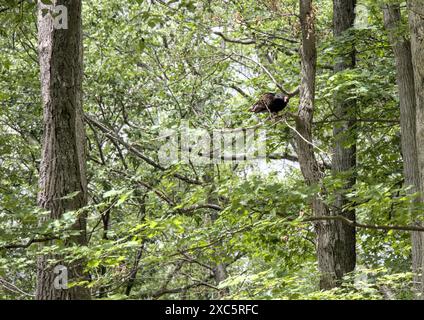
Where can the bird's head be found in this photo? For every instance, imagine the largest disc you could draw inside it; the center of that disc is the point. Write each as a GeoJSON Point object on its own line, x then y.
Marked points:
{"type": "Point", "coordinates": [282, 97]}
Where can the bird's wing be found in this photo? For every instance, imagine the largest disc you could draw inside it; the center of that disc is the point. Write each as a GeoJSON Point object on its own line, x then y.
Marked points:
{"type": "Point", "coordinates": [262, 105]}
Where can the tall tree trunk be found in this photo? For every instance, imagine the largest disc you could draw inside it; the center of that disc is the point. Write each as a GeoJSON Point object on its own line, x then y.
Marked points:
{"type": "Point", "coordinates": [344, 153]}
{"type": "Point", "coordinates": [416, 24]}
{"type": "Point", "coordinates": [304, 148]}
{"type": "Point", "coordinates": [405, 82]}
{"type": "Point", "coordinates": [63, 158]}
{"type": "Point", "coordinates": [220, 273]}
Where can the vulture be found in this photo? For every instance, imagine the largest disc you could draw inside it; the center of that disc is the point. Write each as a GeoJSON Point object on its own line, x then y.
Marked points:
{"type": "Point", "coordinates": [271, 103]}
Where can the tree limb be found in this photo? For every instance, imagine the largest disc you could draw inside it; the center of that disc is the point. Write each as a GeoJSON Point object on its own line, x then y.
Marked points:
{"type": "Point", "coordinates": [365, 226]}
{"type": "Point", "coordinates": [111, 135]}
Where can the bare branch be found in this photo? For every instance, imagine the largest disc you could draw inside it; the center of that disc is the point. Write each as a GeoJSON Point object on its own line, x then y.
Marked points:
{"type": "Point", "coordinates": [365, 226]}
{"type": "Point", "coordinates": [27, 244]}
{"type": "Point", "coordinates": [111, 135]}
{"type": "Point", "coordinates": [239, 41]}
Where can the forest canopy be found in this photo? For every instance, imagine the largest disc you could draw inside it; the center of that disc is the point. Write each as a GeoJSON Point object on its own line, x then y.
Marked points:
{"type": "Point", "coordinates": [226, 149]}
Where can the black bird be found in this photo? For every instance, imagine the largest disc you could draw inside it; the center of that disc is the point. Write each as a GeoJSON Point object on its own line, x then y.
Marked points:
{"type": "Point", "coordinates": [271, 103]}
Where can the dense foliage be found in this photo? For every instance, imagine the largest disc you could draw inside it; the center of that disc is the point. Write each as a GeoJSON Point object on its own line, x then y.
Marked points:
{"type": "Point", "coordinates": [162, 231]}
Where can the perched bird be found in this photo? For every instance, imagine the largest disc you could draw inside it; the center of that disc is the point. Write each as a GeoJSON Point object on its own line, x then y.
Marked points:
{"type": "Point", "coordinates": [271, 103]}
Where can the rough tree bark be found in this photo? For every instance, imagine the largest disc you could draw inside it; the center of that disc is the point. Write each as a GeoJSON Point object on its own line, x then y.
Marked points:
{"type": "Point", "coordinates": [63, 155]}
{"type": "Point", "coordinates": [220, 273]}
{"type": "Point", "coordinates": [416, 25]}
{"type": "Point", "coordinates": [344, 153]}
{"type": "Point", "coordinates": [304, 148]}
{"type": "Point", "coordinates": [405, 82]}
